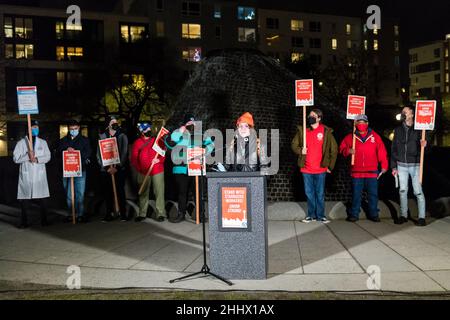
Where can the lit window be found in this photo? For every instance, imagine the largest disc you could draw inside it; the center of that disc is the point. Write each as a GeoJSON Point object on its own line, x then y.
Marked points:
{"type": "Point", "coordinates": [297, 25]}
{"type": "Point", "coordinates": [297, 57]}
{"type": "Point", "coordinates": [348, 29]}
{"type": "Point", "coordinates": [334, 44]}
{"type": "Point", "coordinates": [74, 27]}
{"type": "Point", "coordinates": [8, 27]}
{"type": "Point", "coordinates": [366, 45]}
{"type": "Point", "coordinates": [132, 33]}
{"type": "Point", "coordinates": [375, 45]}
{"type": "Point", "coordinates": [396, 46]}
{"type": "Point", "coordinates": [189, 8]}
{"type": "Point", "coordinates": [59, 28]}
{"type": "Point", "coordinates": [397, 61]}
{"type": "Point", "coordinates": [246, 13]}
{"type": "Point", "coordinates": [9, 51]}
{"type": "Point", "coordinates": [447, 77]}
{"type": "Point", "coordinates": [192, 54]}
{"type": "Point", "coordinates": [160, 29]}
{"type": "Point", "coordinates": [396, 31]}
{"type": "Point", "coordinates": [217, 11]}
{"type": "Point", "coordinates": [74, 52]}
{"type": "Point", "coordinates": [24, 51]}
{"type": "Point", "coordinates": [349, 44]}
{"type": "Point", "coordinates": [375, 29]}
{"type": "Point", "coordinates": [191, 31]}
{"type": "Point", "coordinates": [60, 55]}
{"type": "Point", "coordinates": [446, 52]}
{"type": "Point", "coordinates": [246, 35]}
{"type": "Point", "coordinates": [137, 33]}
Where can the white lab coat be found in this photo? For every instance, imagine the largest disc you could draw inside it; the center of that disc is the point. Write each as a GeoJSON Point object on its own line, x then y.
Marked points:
{"type": "Point", "coordinates": [32, 176]}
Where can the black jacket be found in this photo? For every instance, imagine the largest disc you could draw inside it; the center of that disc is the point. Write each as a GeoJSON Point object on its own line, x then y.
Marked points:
{"type": "Point", "coordinates": [80, 143]}
{"type": "Point", "coordinates": [406, 145]}
{"type": "Point", "coordinates": [122, 145]}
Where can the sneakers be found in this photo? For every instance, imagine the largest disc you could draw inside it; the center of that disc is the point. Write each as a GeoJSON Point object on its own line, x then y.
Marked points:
{"type": "Point", "coordinates": [324, 221]}
{"type": "Point", "coordinates": [375, 219]}
{"type": "Point", "coordinates": [139, 219]}
{"type": "Point", "coordinates": [160, 219]}
{"type": "Point", "coordinates": [421, 223]}
{"type": "Point", "coordinates": [402, 220]}
{"type": "Point", "coordinates": [108, 218]}
{"type": "Point", "coordinates": [308, 220]}
{"type": "Point", "coordinates": [180, 217]}
{"type": "Point", "coordinates": [351, 219]}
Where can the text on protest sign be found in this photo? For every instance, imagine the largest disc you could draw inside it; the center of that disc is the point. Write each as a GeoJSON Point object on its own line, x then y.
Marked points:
{"type": "Point", "coordinates": [159, 145]}
{"type": "Point", "coordinates": [27, 100]}
{"type": "Point", "coordinates": [234, 207]}
{"type": "Point", "coordinates": [356, 105]}
{"type": "Point", "coordinates": [425, 116]}
{"type": "Point", "coordinates": [72, 164]}
{"type": "Point", "coordinates": [196, 161]}
{"type": "Point", "coordinates": [304, 92]}
{"type": "Point", "coordinates": [109, 151]}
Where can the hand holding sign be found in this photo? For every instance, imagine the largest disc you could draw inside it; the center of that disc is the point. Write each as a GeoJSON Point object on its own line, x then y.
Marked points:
{"type": "Point", "coordinates": [424, 119]}
{"type": "Point", "coordinates": [356, 105]}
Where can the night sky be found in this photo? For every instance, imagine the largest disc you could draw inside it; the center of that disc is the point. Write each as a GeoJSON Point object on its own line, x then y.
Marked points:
{"type": "Point", "coordinates": [419, 24]}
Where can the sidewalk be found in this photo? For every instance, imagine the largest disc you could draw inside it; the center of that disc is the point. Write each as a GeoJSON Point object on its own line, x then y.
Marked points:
{"type": "Point", "coordinates": [302, 257]}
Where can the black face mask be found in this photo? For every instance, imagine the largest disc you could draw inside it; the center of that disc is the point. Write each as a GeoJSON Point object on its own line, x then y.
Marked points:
{"type": "Point", "coordinates": [115, 127]}
{"type": "Point", "coordinates": [311, 120]}
{"type": "Point", "coordinates": [148, 134]}
{"type": "Point", "coordinates": [403, 117]}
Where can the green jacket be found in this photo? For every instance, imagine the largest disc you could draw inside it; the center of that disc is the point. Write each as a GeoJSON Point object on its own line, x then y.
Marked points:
{"type": "Point", "coordinates": [330, 148]}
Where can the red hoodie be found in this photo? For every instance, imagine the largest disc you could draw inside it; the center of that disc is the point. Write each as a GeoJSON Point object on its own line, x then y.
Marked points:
{"type": "Point", "coordinates": [142, 159]}
{"type": "Point", "coordinates": [369, 152]}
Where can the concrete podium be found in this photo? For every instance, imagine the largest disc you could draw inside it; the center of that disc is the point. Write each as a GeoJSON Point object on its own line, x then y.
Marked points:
{"type": "Point", "coordinates": [238, 240]}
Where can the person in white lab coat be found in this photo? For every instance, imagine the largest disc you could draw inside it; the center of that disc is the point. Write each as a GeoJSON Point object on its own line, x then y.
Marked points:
{"type": "Point", "coordinates": [33, 185]}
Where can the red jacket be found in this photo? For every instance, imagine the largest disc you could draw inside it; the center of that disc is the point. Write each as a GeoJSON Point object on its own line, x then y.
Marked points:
{"type": "Point", "coordinates": [369, 152]}
{"type": "Point", "coordinates": [142, 157]}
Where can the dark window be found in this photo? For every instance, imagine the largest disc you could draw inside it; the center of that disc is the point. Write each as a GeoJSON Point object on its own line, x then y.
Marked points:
{"type": "Point", "coordinates": [315, 59]}
{"type": "Point", "coordinates": [297, 42]}
{"type": "Point", "coordinates": [437, 53]}
{"type": "Point", "coordinates": [315, 43]}
{"type": "Point", "coordinates": [218, 32]}
{"type": "Point", "coordinates": [159, 5]}
{"type": "Point", "coordinates": [189, 8]}
{"type": "Point", "coordinates": [272, 23]}
{"type": "Point", "coordinates": [437, 78]}
{"type": "Point", "coordinates": [315, 26]}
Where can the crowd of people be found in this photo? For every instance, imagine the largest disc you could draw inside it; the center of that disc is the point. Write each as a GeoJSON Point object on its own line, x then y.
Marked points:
{"type": "Point", "coordinates": [245, 153]}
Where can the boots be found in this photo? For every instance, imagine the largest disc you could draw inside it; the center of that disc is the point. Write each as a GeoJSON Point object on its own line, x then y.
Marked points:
{"type": "Point", "coordinates": [180, 217]}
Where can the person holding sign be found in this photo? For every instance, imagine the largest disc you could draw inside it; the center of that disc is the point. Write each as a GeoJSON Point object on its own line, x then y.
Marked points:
{"type": "Point", "coordinates": [315, 160]}
{"type": "Point", "coordinates": [143, 156]}
{"type": "Point", "coordinates": [181, 139]}
{"type": "Point", "coordinates": [33, 183]}
{"type": "Point", "coordinates": [113, 130]}
{"type": "Point", "coordinates": [405, 162]}
{"type": "Point", "coordinates": [369, 153]}
{"type": "Point", "coordinates": [75, 141]}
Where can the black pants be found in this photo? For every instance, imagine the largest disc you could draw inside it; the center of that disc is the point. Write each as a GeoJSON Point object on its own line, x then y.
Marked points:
{"type": "Point", "coordinates": [184, 185]}
{"type": "Point", "coordinates": [25, 204]}
{"type": "Point", "coordinates": [107, 186]}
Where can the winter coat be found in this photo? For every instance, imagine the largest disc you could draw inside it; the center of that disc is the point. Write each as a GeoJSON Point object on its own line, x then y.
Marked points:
{"type": "Point", "coordinates": [32, 176]}
{"type": "Point", "coordinates": [406, 146]}
{"type": "Point", "coordinates": [246, 154]}
{"type": "Point", "coordinates": [80, 143]}
{"type": "Point", "coordinates": [122, 145]}
{"type": "Point", "coordinates": [370, 151]}
{"type": "Point", "coordinates": [142, 155]}
{"type": "Point", "coordinates": [330, 148]}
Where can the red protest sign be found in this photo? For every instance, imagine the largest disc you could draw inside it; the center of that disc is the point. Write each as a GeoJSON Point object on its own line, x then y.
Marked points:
{"type": "Point", "coordinates": [304, 92]}
{"type": "Point", "coordinates": [109, 151]}
{"type": "Point", "coordinates": [72, 164]}
{"type": "Point", "coordinates": [159, 145]}
{"type": "Point", "coordinates": [356, 105]}
{"type": "Point", "coordinates": [196, 161]}
{"type": "Point", "coordinates": [425, 116]}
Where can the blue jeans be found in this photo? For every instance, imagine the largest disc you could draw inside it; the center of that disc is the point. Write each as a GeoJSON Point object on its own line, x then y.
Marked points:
{"type": "Point", "coordinates": [358, 186]}
{"type": "Point", "coordinates": [403, 177]}
{"type": "Point", "coordinates": [79, 186]}
{"type": "Point", "coordinates": [315, 194]}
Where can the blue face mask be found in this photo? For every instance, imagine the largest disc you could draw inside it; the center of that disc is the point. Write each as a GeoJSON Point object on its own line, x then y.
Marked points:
{"type": "Point", "coordinates": [35, 132]}
{"type": "Point", "coordinates": [74, 133]}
